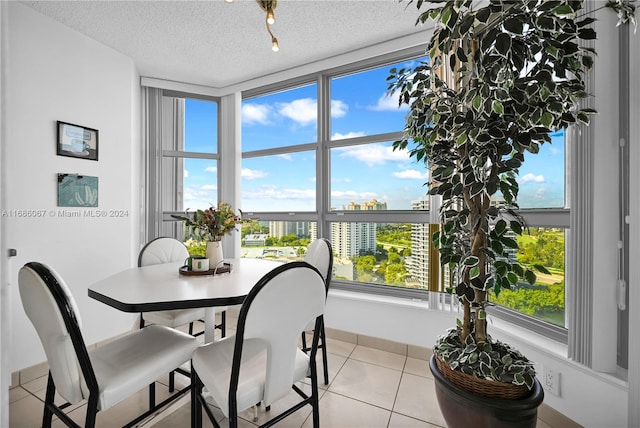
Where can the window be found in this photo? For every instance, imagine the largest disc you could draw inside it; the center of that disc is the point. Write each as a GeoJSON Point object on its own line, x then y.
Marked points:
{"type": "Point", "coordinates": [331, 171]}
{"type": "Point", "coordinates": [183, 163]}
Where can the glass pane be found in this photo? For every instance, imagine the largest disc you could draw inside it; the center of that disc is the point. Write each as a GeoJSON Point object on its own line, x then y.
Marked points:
{"type": "Point", "coordinates": [279, 240]}
{"type": "Point", "coordinates": [198, 188]}
{"type": "Point", "coordinates": [375, 172]}
{"type": "Point", "coordinates": [542, 176]}
{"type": "Point", "coordinates": [279, 183]}
{"type": "Point", "coordinates": [281, 119]}
{"type": "Point", "coordinates": [360, 105]}
{"type": "Point", "coordinates": [201, 126]}
{"type": "Point", "coordinates": [545, 300]}
{"type": "Point", "coordinates": [382, 253]}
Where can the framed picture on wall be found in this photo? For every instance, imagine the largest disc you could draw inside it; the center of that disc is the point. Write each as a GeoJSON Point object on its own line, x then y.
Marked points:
{"type": "Point", "coordinates": [77, 190]}
{"type": "Point", "coordinates": [77, 141]}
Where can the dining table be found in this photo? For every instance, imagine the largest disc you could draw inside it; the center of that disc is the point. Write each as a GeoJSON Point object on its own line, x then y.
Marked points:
{"type": "Point", "coordinates": [167, 286]}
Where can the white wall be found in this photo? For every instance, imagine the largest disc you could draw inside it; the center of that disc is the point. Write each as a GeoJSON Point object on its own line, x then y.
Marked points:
{"type": "Point", "coordinates": [54, 73]}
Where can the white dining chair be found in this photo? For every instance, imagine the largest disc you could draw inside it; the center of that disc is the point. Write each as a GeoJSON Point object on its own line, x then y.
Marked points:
{"type": "Point", "coordinates": [263, 361]}
{"type": "Point", "coordinates": [104, 375]}
{"type": "Point", "coordinates": [170, 250]}
{"type": "Point", "coordinates": [320, 255]}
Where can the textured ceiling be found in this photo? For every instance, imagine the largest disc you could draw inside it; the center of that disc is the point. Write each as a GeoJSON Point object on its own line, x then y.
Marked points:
{"type": "Point", "coordinates": [218, 44]}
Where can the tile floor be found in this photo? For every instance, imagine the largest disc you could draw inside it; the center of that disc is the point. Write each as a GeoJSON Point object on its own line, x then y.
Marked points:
{"type": "Point", "coordinates": [371, 384]}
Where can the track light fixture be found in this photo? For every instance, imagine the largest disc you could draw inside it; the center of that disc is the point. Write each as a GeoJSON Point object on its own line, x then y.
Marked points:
{"type": "Point", "coordinates": [269, 6]}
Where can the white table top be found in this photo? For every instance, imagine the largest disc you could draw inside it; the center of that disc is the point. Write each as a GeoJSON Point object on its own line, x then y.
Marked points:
{"type": "Point", "coordinates": [162, 287]}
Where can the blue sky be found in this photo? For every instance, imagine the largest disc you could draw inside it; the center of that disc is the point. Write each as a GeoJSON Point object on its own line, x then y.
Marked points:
{"type": "Point", "coordinates": [359, 106]}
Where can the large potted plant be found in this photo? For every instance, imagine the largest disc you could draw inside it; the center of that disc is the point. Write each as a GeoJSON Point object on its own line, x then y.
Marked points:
{"type": "Point", "coordinates": [500, 79]}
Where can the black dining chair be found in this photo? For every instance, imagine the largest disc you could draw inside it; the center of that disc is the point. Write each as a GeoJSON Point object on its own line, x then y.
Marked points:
{"type": "Point", "coordinates": [107, 374]}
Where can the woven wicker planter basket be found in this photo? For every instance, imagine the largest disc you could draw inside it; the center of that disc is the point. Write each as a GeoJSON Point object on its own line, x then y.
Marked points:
{"type": "Point", "coordinates": [483, 387]}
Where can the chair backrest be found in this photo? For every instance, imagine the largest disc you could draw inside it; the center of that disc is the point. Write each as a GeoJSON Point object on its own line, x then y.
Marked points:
{"type": "Point", "coordinates": [276, 311]}
{"type": "Point", "coordinates": [320, 255]}
{"type": "Point", "coordinates": [48, 303]}
{"type": "Point", "coordinates": [162, 250]}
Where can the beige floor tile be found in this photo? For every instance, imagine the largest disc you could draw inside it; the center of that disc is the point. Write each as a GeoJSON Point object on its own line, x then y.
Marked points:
{"type": "Point", "coordinates": [26, 412]}
{"type": "Point", "coordinates": [337, 411]}
{"type": "Point", "coordinates": [402, 421]}
{"type": "Point", "coordinates": [542, 424]}
{"type": "Point", "coordinates": [335, 363]}
{"type": "Point", "coordinates": [17, 393]}
{"type": "Point", "coordinates": [380, 358]}
{"type": "Point", "coordinates": [417, 367]}
{"type": "Point", "coordinates": [295, 420]}
{"type": "Point", "coordinates": [121, 413]}
{"type": "Point", "coordinates": [38, 387]}
{"type": "Point", "coordinates": [554, 418]}
{"type": "Point", "coordinates": [367, 382]}
{"type": "Point", "coordinates": [417, 399]}
{"type": "Point", "coordinates": [339, 347]}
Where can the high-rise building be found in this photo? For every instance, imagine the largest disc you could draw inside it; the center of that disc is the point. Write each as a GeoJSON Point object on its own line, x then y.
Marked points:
{"type": "Point", "coordinates": [418, 263]}
{"type": "Point", "coordinates": [354, 239]}
{"type": "Point", "coordinates": [278, 229]}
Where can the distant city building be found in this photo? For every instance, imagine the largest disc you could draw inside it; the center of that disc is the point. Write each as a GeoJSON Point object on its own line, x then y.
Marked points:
{"type": "Point", "coordinates": [255, 240]}
{"type": "Point", "coordinates": [278, 229]}
{"type": "Point", "coordinates": [418, 263]}
{"type": "Point", "coordinates": [354, 239]}
{"type": "Point", "coordinates": [374, 205]}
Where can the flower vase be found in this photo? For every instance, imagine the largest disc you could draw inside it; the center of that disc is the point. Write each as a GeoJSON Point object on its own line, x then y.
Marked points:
{"type": "Point", "coordinates": [214, 254]}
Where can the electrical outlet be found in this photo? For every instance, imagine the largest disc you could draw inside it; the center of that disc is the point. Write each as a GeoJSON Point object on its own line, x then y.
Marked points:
{"type": "Point", "coordinates": [551, 381]}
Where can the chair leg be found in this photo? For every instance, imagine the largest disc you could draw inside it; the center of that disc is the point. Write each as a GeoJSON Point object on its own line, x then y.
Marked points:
{"type": "Point", "coordinates": [141, 321]}
{"type": "Point", "coordinates": [152, 395]}
{"type": "Point", "coordinates": [172, 381]}
{"type": "Point", "coordinates": [196, 407]}
{"type": "Point", "coordinates": [325, 364]}
{"type": "Point", "coordinates": [191, 329]}
{"type": "Point", "coordinates": [47, 415]}
{"type": "Point", "coordinates": [92, 411]}
{"type": "Point", "coordinates": [223, 323]}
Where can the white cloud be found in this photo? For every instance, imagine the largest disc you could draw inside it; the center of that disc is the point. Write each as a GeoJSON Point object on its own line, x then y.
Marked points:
{"type": "Point", "coordinates": [272, 192]}
{"type": "Point", "coordinates": [208, 187]}
{"type": "Point", "coordinates": [338, 108]}
{"type": "Point", "coordinates": [540, 193]}
{"type": "Point", "coordinates": [251, 174]}
{"type": "Point", "coordinates": [531, 178]}
{"type": "Point", "coordinates": [411, 174]}
{"type": "Point", "coordinates": [256, 113]}
{"type": "Point", "coordinates": [211, 169]}
{"type": "Point", "coordinates": [285, 156]}
{"type": "Point", "coordinates": [303, 111]}
{"type": "Point", "coordinates": [352, 195]}
{"type": "Point", "coordinates": [341, 180]}
{"type": "Point", "coordinates": [374, 154]}
{"type": "Point", "coordinates": [352, 134]}
{"type": "Point", "coordinates": [185, 173]}
{"type": "Point", "coordinates": [388, 103]}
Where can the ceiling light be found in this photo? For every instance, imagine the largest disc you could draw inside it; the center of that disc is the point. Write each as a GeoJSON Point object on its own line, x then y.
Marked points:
{"type": "Point", "coordinates": [269, 6]}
